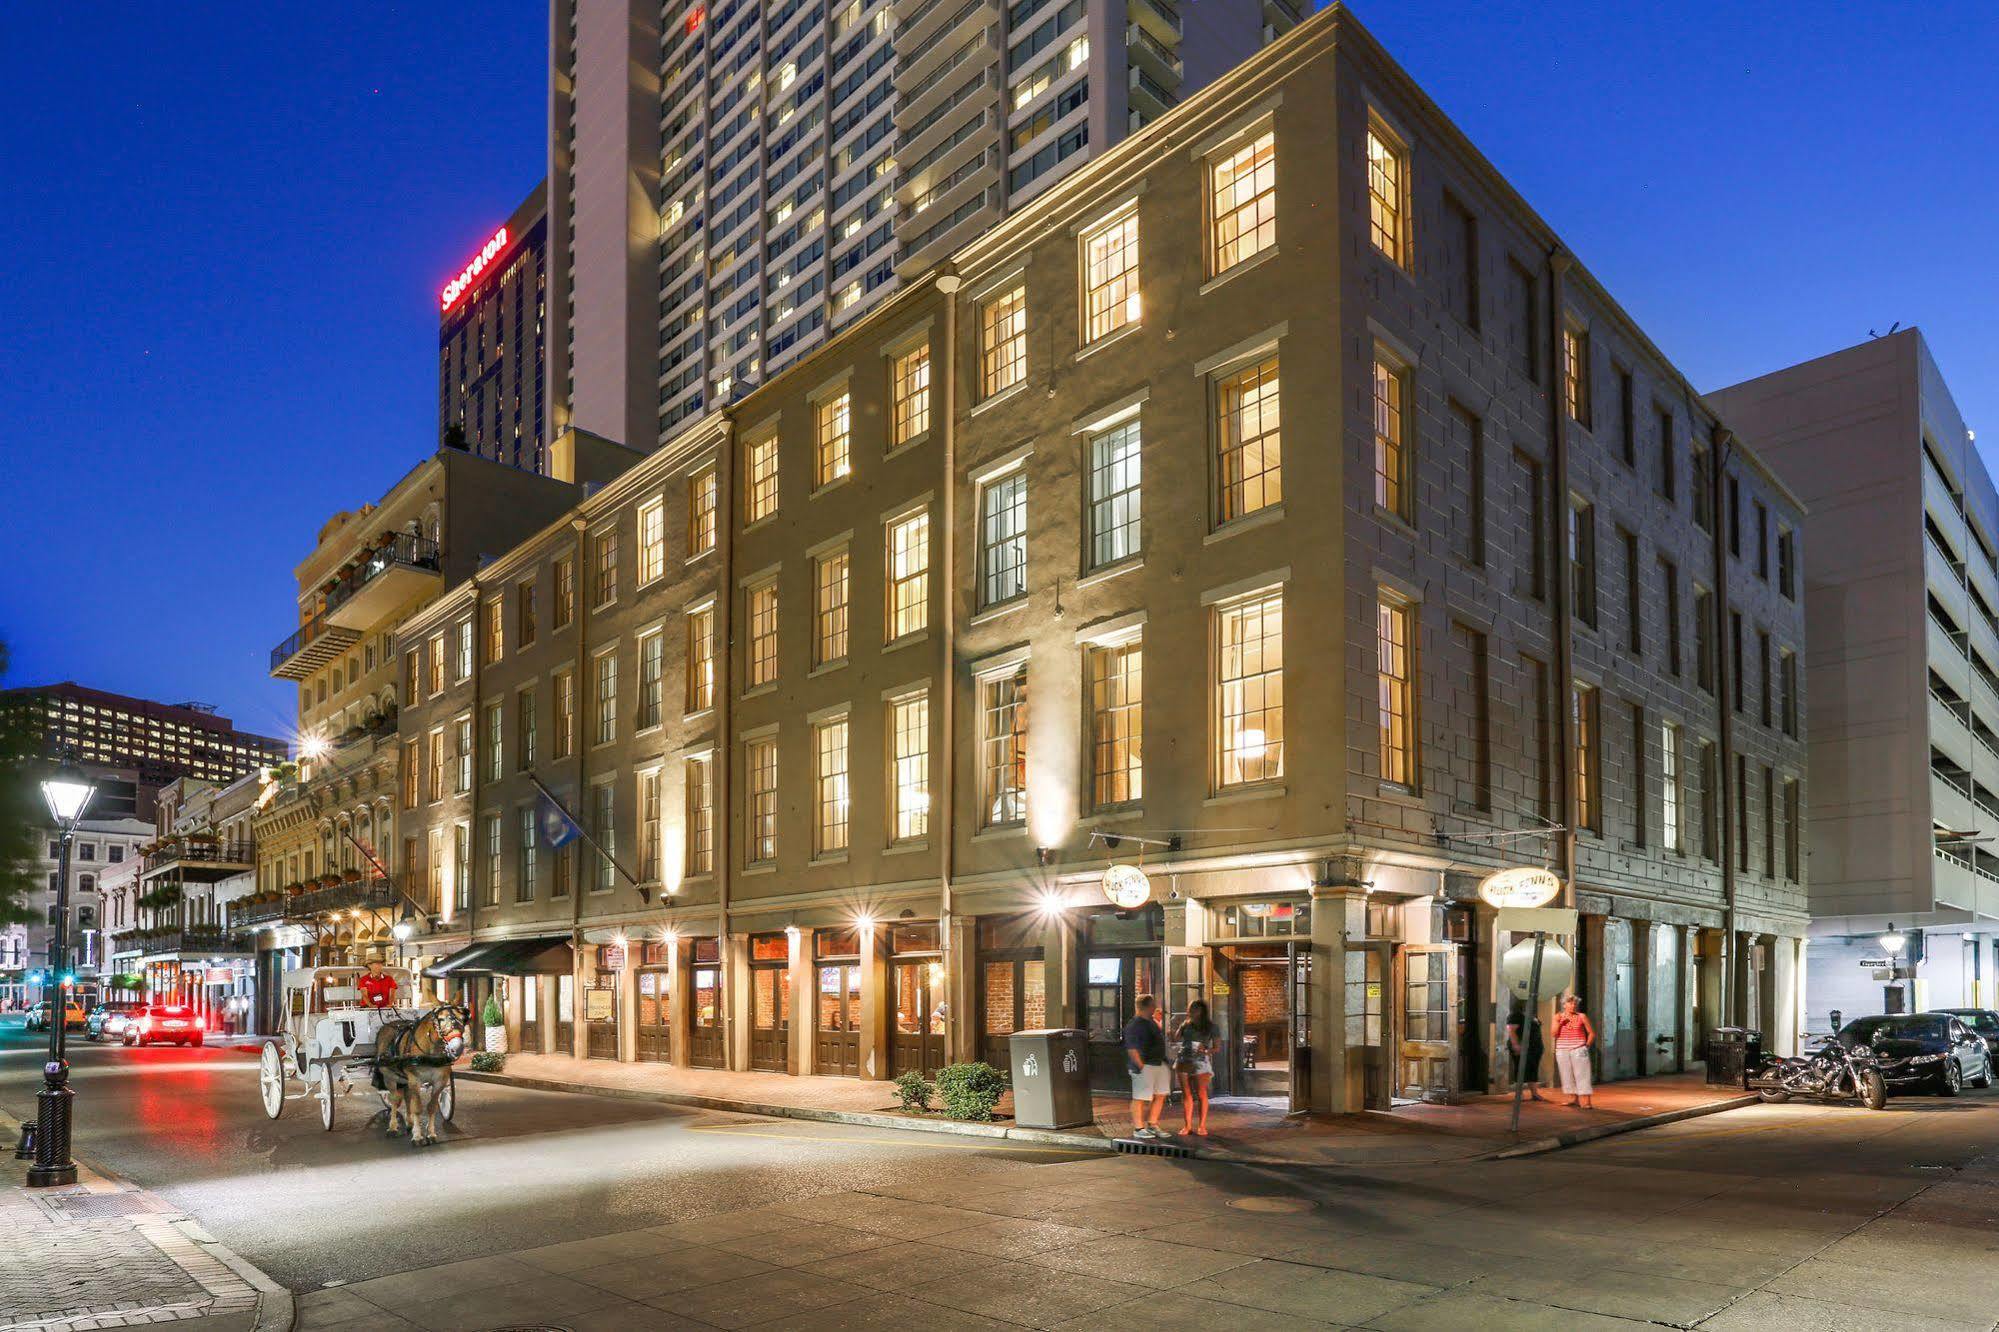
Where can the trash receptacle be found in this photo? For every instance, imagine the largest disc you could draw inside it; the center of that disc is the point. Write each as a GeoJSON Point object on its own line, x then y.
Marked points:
{"type": "Point", "coordinates": [1051, 1078]}
{"type": "Point", "coordinates": [1732, 1052]}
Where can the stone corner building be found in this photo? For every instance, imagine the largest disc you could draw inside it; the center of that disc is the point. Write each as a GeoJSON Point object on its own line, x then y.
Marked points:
{"type": "Point", "coordinates": [1436, 563]}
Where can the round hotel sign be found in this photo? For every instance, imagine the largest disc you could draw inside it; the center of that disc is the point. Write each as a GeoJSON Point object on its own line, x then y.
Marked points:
{"type": "Point", "coordinates": [1526, 886]}
{"type": "Point", "coordinates": [1127, 886]}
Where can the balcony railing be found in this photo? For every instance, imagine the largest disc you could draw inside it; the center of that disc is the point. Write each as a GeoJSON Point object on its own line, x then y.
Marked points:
{"type": "Point", "coordinates": [309, 647]}
{"type": "Point", "coordinates": [340, 897]}
{"type": "Point", "coordinates": [197, 851]}
{"type": "Point", "coordinates": [205, 940]}
{"type": "Point", "coordinates": [399, 550]}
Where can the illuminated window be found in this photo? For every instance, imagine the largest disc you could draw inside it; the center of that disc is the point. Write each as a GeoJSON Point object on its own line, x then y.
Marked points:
{"type": "Point", "coordinates": [909, 767]}
{"type": "Point", "coordinates": [700, 815]}
{"type": "Point", "coordinates": [1243, 195]}
{"type": "Point", "coordinates": [1249, 474]}
{"type": "Point", "coordinates": [760, 492]}
{"type": "Point", "coordinates": [652, 680]}
{"type": "Point", "coordinates": [604, 568]}
{"type": "Point", "coordinates": [1003, 539]}
{"type": "Point", "coordinates": [650, 815]}
{"type": "Point", "coordinates": [496, 627]}
{"type": "Point", "coordinates": [1003, 340]}
{"type": "Point", "coordinates": [436, 661]}
{"type": "Point", "coordinates": [909, 392]}
{"type": "Point", "coordinates": [701, 659]}
{"type": "Point", "coordinates": [1395, 675]}
{"type": "Point", "coordinates": [760, 774]}
{"type": "Point", "coordinates": [651, 540]}
{"type": "Point", "coordinates": [1114, 494]}
{"type": "Point", "coordinates": [908, 543]}
{"type": "Point", "coordinates": [1249, 690]}
{"type": "Point", "coordinates": [701, 512]}
{"type": "Point", "coordinates": [461, 650]}
{"type": "Point", "coordinates": [1392, 471]}
{"type": "Point", "coordinates": [829, 759]}
{"type": "Point", "coordinates": [489, 841]}
{"type": "Point", "coordinates": [461, 865]}
{"type": "Point", "coordinates": [461, 747]}
{"type": "Point", "coordinates": [1388, 193]}
{"type": "Point", "coordinates": [1575, 374]}
{"type": "Point", "coordinates": [606, 728]}
{"type": "Point", "coordinates": [829, 607]}
{"type": "Point", "coordinates": [1110, 276]}
{"type": "Point", "coordinates": [1670, 789]}
{"type": "Point", "coordinates": [760, 603]}
{"type": "Point", "coordinates": [1003, 746]}
{"type": "Point", "coordinates": [1116, 673]}
{"type": "Point", "coordinates": [565, 714]}
{"type": "Point", "coordinates": [565, 591]}
{"type": "Point", "coordinates": [1588, 771]}
{"type": "Point", "coordinates": [833, 439]}
{"type": "Point", "coordinates": [409, 770]}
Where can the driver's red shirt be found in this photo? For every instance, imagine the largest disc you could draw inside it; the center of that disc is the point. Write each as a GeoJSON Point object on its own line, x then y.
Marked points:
{"type": "Point", "coordinates": [376, 991]}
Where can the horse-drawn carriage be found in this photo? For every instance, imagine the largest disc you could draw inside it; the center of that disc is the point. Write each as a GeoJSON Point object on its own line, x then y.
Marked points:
{"type": "Point", "coordinates": [330, 1041]}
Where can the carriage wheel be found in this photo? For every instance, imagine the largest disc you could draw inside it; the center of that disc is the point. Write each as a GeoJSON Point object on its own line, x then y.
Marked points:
{"type": "Point", "coordinates": [447, 1097]}
{"type": "Point", "coordinates": [326, 1095]}
{"type": "Point", "coordinates": [271, 1079]}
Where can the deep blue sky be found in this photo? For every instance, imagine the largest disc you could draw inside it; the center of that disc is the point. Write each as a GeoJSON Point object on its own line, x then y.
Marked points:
{"type": "Point", "coordinates": [223, 226]}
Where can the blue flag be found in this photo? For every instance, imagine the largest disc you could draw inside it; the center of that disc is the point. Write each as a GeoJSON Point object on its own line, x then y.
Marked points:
{"type": "Point", "coordinates": [557, 828]}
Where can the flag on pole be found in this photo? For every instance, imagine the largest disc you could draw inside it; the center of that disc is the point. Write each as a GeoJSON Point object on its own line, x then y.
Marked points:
{"type": "Point", "coordinates": [558, 829]}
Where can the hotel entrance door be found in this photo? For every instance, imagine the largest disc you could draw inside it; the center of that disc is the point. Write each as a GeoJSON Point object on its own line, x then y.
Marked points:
{"type": "Point", "coordinates": [770, 1003]}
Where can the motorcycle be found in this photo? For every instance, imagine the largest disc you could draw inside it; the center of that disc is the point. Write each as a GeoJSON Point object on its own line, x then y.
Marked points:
{"type": "Point", "coordinates": [1834, 1071]}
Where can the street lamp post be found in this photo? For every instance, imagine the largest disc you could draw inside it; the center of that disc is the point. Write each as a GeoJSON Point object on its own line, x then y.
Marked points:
{"type": "Point", "coordinates": [68, 792]}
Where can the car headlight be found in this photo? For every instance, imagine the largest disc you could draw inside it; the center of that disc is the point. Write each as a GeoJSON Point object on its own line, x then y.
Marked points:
{"type": "Point", "coordinates": [1926, 1059]}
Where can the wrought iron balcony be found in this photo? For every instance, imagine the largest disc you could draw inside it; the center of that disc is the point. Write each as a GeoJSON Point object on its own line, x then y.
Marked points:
{"type": "Point", "coordinates": [381, 579]}
{"type": "Point", "coordinates": [310, 647]}
{"type": "Point", "coordinates": [186, 940]}
{"type": "Point", "coordinates": [200, 859]}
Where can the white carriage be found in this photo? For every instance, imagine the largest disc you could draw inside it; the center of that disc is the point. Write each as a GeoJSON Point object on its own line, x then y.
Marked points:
{"type": "Point", "coordinates": [327, 1039]}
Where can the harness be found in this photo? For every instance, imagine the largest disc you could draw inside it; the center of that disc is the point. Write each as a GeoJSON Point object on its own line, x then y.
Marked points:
{"type": "Point", "coordinates": [394, 1040]}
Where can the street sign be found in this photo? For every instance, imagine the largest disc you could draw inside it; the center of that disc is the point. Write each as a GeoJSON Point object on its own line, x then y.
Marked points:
{"type": "Point", "coordinates": [1875, 963]}
{"type": "Point", "coordinates": [1127, 886]}
{"type": "Point", "coordinates": [1517, 968]}
{"type": "Point", "coordinates": [1538, 920]}
{"type": "Point", "coordinates": [1524, 886]}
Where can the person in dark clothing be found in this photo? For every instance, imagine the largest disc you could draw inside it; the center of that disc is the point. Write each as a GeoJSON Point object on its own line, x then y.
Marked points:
{"type": "Point", "coordinates": [1151, 1074]}
{"type": "Point", "coordinates": [1531, 1077]}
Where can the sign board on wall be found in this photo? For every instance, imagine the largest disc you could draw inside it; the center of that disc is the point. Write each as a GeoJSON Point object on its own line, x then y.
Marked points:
{"type": "Point", "coordinates": [597, 1005]}
{"type": "Point", "coordinates": [1524, 886]}
{"type": "Point", "coordinates": [1127, 886]}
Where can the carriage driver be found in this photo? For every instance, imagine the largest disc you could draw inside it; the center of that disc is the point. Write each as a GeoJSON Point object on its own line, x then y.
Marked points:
{"type": "Point", "coordinates": [377, 989]}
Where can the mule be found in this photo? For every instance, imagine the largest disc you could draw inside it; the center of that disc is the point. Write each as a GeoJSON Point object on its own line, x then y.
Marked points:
{"type": "Point", "coordinates": [413, 1058]}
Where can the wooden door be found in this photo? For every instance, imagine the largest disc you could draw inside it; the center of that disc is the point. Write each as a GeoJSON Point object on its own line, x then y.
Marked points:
{"type": "Point", "coordinates": [655, 1026]}
{"type": "Point", "coordinates": [837, 1021]}
{"type": "Point", "coordinates": [916, 1030]}
{"type": "Point", "coordinates": [600, 1016]}
{"type": "Point", "coordinates": [770, 1018]}
{"type": "Point", "coordinates": [1013, 996]}
{"type": "Point", "coordinates": [565, 1014]}
{"type": "Point", "coordinates": [1428, 1020]}
{"type": "Point", "coordinates": [704, 1018]}
{"type": "Point", "coordinates": [531, 1014]}
{"type": "Point", "coordinates": [1112, 982]}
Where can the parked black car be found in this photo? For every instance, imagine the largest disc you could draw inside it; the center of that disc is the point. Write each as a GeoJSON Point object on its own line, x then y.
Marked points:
{"type": "Point", "coordinates": [1932, 1052]}
{"type": "Point", "coordinates": [1984, 1024]}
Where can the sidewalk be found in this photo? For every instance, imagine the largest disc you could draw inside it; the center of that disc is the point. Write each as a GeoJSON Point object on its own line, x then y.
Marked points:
{"type": "Point", "coordinates": [103, 1254]}
{"type": "Point", "coordinates": [1250, 1130]}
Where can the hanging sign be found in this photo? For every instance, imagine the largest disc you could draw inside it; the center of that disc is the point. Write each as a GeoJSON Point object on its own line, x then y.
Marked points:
{"type": "Point", "coordinates": [1516, 968]}
{"type": "Point", "coordinates": [1525, 886]}
{"type": "Point", "coordinates": [1127, 886]}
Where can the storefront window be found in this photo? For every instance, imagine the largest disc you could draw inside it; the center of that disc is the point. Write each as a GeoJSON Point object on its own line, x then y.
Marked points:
{"type": "Point", "coordinates": [1266, 920]}
{"type": "Point", "coordinates": [770, 948]}
{"type": "Point", "coordinates": [707, 997]}
{"type": "Point", "coordinates": [1120, 929]}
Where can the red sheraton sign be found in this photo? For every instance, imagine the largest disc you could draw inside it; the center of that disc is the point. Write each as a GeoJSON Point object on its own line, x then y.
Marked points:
{"type": "Point", "coordinates": [459, 285]}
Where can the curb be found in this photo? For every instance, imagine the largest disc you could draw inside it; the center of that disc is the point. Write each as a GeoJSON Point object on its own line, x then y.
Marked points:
{"type": "Point", "coordinates": [1578, 1137]}
{"type": "Point", "coordinates": [865, 1119]}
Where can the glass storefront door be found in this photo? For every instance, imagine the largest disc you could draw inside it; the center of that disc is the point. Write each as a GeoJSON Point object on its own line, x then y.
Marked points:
{"type": "Point", "coordinates": [836, 1044]}
{"type": "Point", "coordinates": [1122, 958]}
{"type": "Point", "coordinates": [770, 1003]}
{"type": "Point", "coordinates": [704, 1008]}
{"type": "Point", "coordinates": [1429, 1023]}
{"type": "Point", "coordinates": [655, 1029]}
{"type": "Point", "coordinates": [916, 1036]}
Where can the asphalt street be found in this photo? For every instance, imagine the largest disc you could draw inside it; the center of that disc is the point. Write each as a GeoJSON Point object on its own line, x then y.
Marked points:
{"type": "Point", "coordinates": [516, 1169]}
{"type": "Point", "coordinates": [584, 1212]}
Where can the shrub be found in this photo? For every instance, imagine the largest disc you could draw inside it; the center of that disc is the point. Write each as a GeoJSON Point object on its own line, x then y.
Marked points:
{"type": "Point", "coordinates": [913, 1092]}
{"type": "Point", "coordinates": [970, 1091]}
{"type": "Point", "coordinates": [487, 1062]}
{"type": "Point", "coordinates": [492, 1014]}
